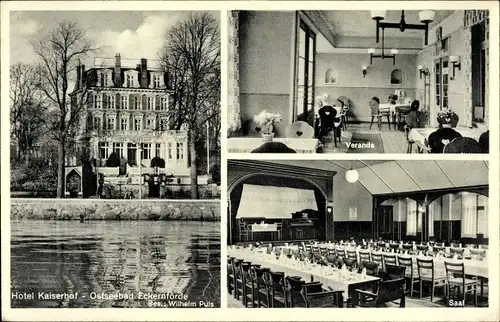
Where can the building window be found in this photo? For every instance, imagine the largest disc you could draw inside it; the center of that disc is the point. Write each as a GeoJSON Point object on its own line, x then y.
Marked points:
{"type": "Point", "coordinates": [111, 123]}
{"type": "Point", "coordinates": [151, 103]}
{"type": "Point", "coordinates": [137, 124]}
{"type": "Point", "coordinates": [157, 150]}
{"type": "Point", "coordinates": [441, 92]}
{"type": "Point", "coordinates": [164, 103]}
{"type": "Point", "coordinates": [105, 79]}
{"type": "Point", "coordinates": [164, 124]}
{"type": "Point", "coordinates": [125, 102]}
{"type": "Point", "coordinates": [304, 86]}
{"type": "Point", "coordinates": [137, 103]}
{"type": "Point", "coordinates": [157, 81]}
{"type": "Point", "coordinates": [103, 150]}
{"type": "Point", "coordinates": [478, 44]}
{"type": "Point", "coordinates": [109, 101]}
{"type": "Point", "coordinates": [124, 124]}
{"type": "Point", "coordinates": [146, 151]}
{"type": "Point", "coordinates": [118, 149]}
{"type": "Point", "coordinates": [97, 123]}
{"type": "Point", "coordinates": [170, 151]}
{"type": "Point", "coordinates": [98, 101]}
{"type": "Point", "coordinates": [180, 151]}
{"type": "Point", "coordinates": [130, 80]}
{"type": "Point", "coordinates": [150, 124]}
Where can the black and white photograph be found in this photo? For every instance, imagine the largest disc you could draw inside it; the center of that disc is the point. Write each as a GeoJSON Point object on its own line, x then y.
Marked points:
{"type": "Point", "coordinates": [358, 81]}
{"type": "Point", "coordinates": [115, 159]}
{"type": "Point", "coordinates": [357, 233]}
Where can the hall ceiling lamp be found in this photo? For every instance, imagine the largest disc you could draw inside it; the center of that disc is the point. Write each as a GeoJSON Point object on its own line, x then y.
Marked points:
{"type": "Point", "coordinates": [351, 174]}
{"type": "Point", "coordinates": [426, 17]}
{"type": "Point", "coordinates": [392, 56]}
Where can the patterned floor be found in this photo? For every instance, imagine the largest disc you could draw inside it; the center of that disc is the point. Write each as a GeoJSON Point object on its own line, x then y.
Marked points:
{"type": "Point", "coordinates": [394, 141]}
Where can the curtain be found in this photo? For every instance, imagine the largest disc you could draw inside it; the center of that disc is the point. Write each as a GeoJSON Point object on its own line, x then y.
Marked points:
{"type": "Point", "coordinates": [469, 215]}
{"type": "Point", "coordinates": [233, 82]}
{"type": "Point", "coordinates": [432, 210]}
{"type": "Point", "coordinates": [482, 216]}
{"type": "Point", "coordinates": [411, 217]}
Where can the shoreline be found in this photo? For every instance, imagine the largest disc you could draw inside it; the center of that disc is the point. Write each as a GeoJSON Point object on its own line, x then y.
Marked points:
{"type": "Point", "coordinates": [115, 209]}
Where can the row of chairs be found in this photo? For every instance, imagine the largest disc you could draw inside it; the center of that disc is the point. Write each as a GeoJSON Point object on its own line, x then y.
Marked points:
{"type": "Point", "coordinates": [259, 287]}
{"type": "Point", "coordinates": [376, 264]}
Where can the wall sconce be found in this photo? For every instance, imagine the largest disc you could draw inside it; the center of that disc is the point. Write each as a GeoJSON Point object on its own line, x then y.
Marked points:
{"type": "Point", "coordinates": [423, 71]}
{"type": "Point", "coordinates": [364, 68]}
{"type": "Point", "coordinates": [329, 209]}
{"type": "Point", "coordinates": [455, 63]}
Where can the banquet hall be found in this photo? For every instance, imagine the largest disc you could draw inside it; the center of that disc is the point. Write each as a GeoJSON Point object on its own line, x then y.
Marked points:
{"type": "Point", "coordinates": [357, 233]}
{"type": "Point", "coordinates": [358, 81]}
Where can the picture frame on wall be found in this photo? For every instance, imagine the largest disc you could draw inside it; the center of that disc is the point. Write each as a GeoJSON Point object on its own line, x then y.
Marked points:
{"type": "Point", "coordinates": [331, 77]}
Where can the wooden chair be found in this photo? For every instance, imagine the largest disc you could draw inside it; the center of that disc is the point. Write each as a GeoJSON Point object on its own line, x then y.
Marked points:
{"type": "Point", "coordinates": [364, 256]}
{"type": "Point", "coordinates": [230, 275]}
{"type": "Point", "coordinates": [351, 264]}
{"type": "Point", "coordinates": [410, 273]}
{"type": "Point", "coordinates": [273, 147]}
{"type": "Point", "coordinates": [299, 129]}
{"type": "Point", "coordinates": [389, 259]}
{"type": "Point", "coordinates": [328, 121]}
{"type": "Point", "coordinates": [351, 254]}
{"type": "Point", "coordinates": [409, 143]}
{"type": "Point", "coordinates": [427, 273]}
{"type": "Point", "coordinates": [455, 277]}
{"type": "Point", "coordinates": [278, 293]}
{"type": "Point", "coordinates": [375, 113]}
{"type": "Point", "coordinates": [372, 268]}
{"type": "Point", "coordinates": [340, 253]}
{"type": "Point", "coordinates": [263, 296]}
{"type": "Point", "coordinates": [393, 272]}
{"type": "Point", "coordinates": [311, 294]}
{"type": "Point", "coordinates": [463, 145]}
{"type": "Point", "coordinates": [377, 258]}
{"type": "Point", "coordinates": [387, 291]}
{"type": "Point", "coordinates": [244, 232]}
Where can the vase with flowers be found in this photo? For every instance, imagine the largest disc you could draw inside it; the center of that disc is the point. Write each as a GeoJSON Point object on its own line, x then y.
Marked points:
{"type": "Point", "coordinates": [266, 121]}
{"type": "Point", "coordinates": [447, 118]}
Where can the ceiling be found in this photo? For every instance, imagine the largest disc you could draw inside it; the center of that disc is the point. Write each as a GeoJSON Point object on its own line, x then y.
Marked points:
{"type": "Point", "coordinates": [401, 176]}
{"type": "Point", "coordinates": [358, 23]}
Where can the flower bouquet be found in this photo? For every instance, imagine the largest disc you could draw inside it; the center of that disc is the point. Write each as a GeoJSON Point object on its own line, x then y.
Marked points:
{"type": "Point", "coordinates": [268, 120]}
{"type": "Point", "coordinates": [447, 118]}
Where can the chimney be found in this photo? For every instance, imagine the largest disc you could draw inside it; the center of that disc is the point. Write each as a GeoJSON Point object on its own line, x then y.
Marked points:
{"type": "Point", "coordinates": [82, 76]}
{"type": "Point", "coordinates": [144, 73]}
{"type": "Point", "coordinates": [78, 76]}
{"type": "Point", "coordinates": [118, 71]}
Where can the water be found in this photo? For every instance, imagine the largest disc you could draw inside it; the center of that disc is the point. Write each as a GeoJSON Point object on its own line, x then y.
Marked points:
{"type": "Point", "coordinates": [116, 260]}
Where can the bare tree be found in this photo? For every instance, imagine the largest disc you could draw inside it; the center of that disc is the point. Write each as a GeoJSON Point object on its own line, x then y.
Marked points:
{"type": "Point", "coordinates": [59, 54]}
{"type": "Point", "coordinates": [192, 59]}
{"type": "Point", "coordinates": [26, 109]}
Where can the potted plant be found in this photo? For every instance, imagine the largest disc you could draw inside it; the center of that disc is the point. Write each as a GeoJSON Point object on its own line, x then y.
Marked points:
{"type": "Point", "coordinates": [447, 118]}
{"type": "Point", "coordinates": [267, 119]}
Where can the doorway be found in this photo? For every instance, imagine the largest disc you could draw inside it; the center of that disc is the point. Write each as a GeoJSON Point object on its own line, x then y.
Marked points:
{"type": "Point", "coordinates": [385, 222]}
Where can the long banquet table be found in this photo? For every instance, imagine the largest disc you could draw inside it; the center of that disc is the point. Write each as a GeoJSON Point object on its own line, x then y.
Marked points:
{"type": "Point", "coordinates": [332, 278]}
{"type": "Point", "coordinates": [248, 144]}
{"type": "Point", "coordinates": [471, 266]}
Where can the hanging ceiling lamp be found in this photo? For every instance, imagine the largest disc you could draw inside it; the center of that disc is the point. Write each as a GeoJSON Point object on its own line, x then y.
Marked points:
{"type": "Point", "coordinates": [426, 17]}
{"type": "Point", "coordinates": [352, 175]}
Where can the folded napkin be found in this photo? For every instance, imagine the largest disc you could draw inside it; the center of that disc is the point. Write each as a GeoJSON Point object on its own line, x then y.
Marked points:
{"type": "Point", "coordinates": [455, 257]}
{"type": "Point", "coordinates": [363, 273]}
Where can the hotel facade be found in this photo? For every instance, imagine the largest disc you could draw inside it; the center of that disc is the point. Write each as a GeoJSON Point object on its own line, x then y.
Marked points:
{"type": "Point", "coordinates": [126, 107]}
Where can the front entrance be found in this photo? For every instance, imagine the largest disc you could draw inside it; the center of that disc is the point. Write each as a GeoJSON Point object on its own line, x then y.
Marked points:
{"type": "Point", "coordinates": [154, 190]}
{"type": "Point", "coordinates": [131, 154]}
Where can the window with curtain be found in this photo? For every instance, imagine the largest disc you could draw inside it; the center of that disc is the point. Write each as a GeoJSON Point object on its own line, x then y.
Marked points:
{"type": "Point", "coordinates": [432, 210]}
{"type": "Point", "coordinates": [469, 215]}
{"type": "Point", "coordinates": [411, 217]}
{"type": "Point", "coordinates": [304, 104]}
{"type": "Point", "coordinates": [482, 215]}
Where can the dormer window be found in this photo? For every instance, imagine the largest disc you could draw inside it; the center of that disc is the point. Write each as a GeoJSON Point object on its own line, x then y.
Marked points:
{"type": "Point", "coordinates": [157, 80]}
{"type": "Point", "coordinates": [130, 80]}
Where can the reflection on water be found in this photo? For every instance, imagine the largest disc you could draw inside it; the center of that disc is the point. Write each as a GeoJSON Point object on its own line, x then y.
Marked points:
{"type": "Point", "coordinates": [116, 260]}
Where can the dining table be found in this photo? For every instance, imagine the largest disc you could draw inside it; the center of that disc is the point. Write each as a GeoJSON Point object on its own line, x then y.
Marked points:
{"type": "Point", "coordinates": [422, 134]}
{"type": "Point", "coordinates": [397, 111]}
{"type": "Point", "coordinates": [331, 278]}
{"type": "Point", "coordinates": [248, 144]}
{"type": "Point", "coordinates": [475, 267]}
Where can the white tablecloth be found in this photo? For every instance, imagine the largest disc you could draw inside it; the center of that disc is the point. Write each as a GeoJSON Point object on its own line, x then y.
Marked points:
{"type": "Point", "coordinates": [264, 228]}
{"type": "Point", "coordinates": [422, 134]}
{"type": "Point", "coordinates": [335, 279]}
{"type": "Point", "coordinates": [248, 144]}
{"type": "Point", "coordinates": [471, 266]}
{"type": "Point", "coordinates": [391, 107]}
